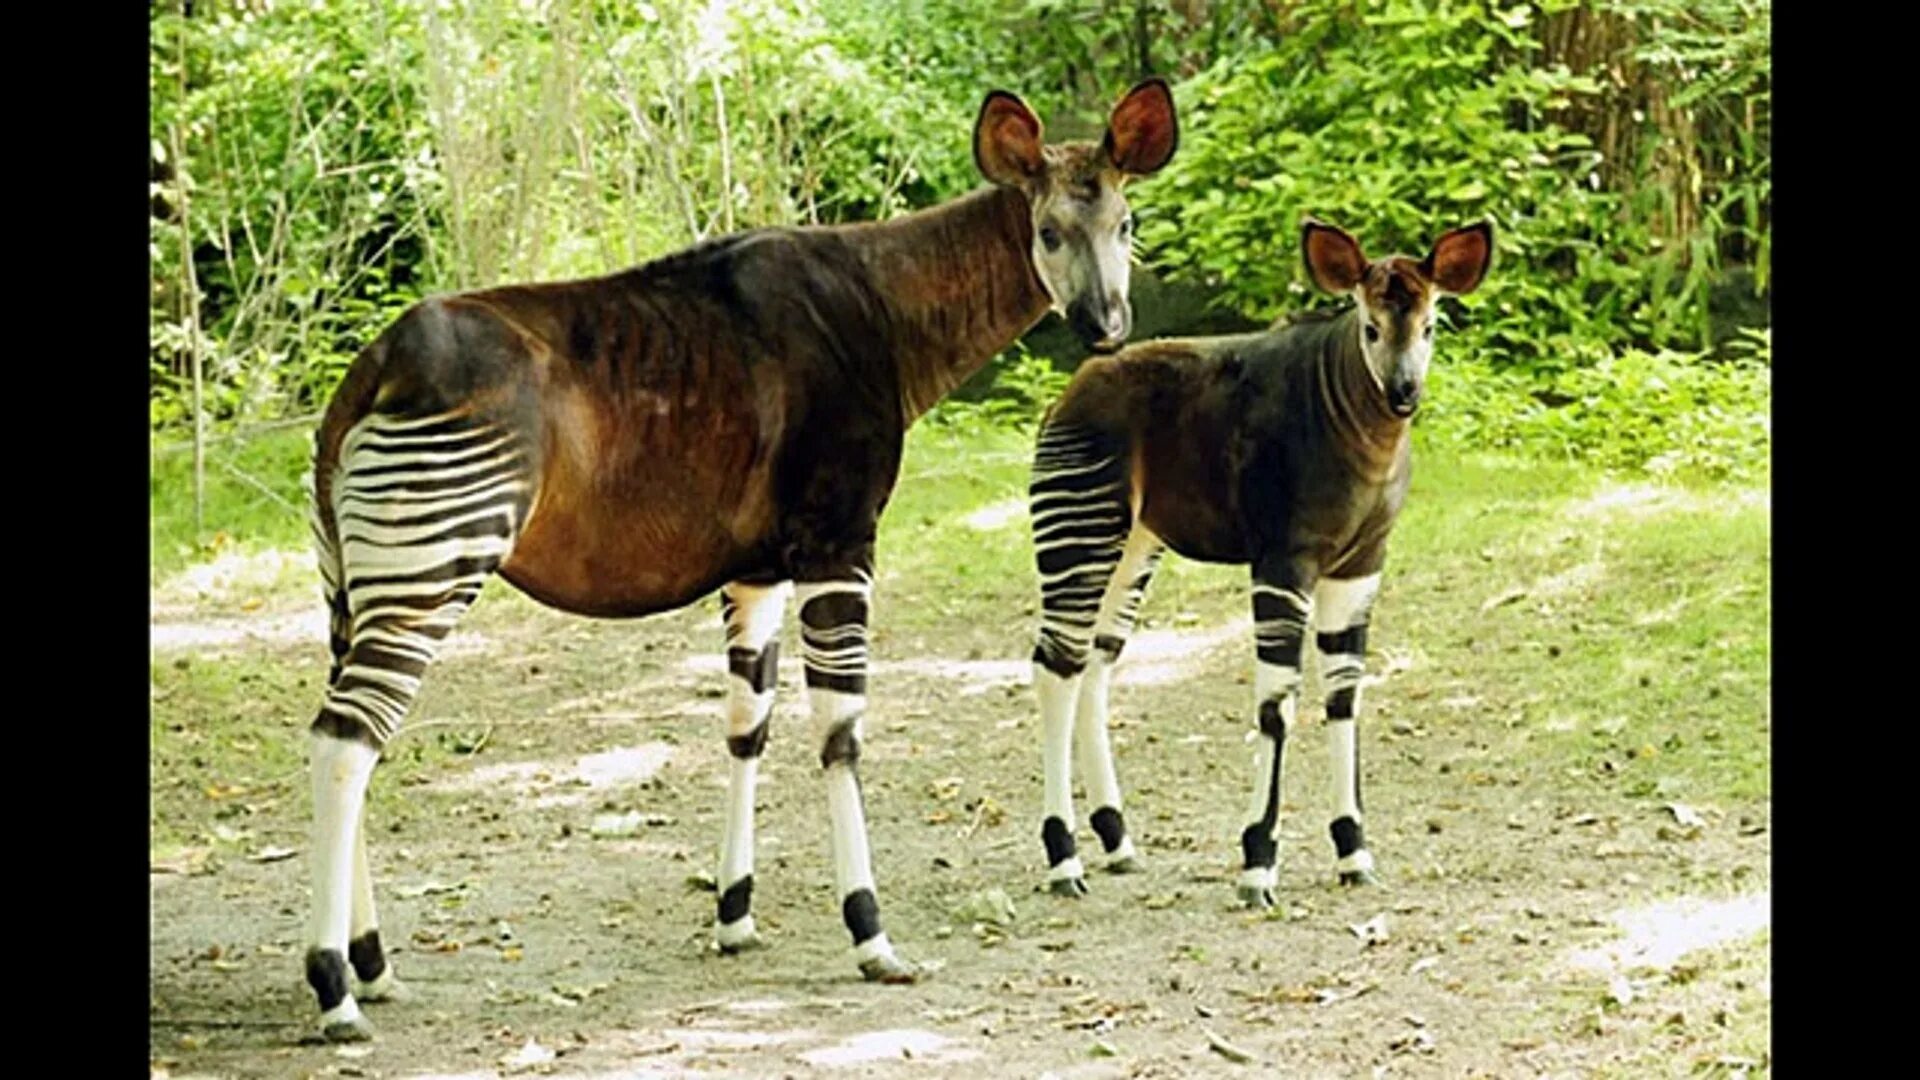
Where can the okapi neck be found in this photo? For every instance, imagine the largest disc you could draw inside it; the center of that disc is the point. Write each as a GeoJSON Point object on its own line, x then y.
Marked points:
{"type": "Point", "coordinates": [959, 285]}
{"type": "Point", "coordinates": [1360, 420]}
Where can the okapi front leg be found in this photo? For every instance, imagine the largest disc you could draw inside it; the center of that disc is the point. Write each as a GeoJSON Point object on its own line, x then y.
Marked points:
{"type": "Point", "coordinates": [1340, 620]}
{"type": "Point", "coordinates": [833, 636]}
{"type": "Point", "coordinates": [1118, 610]}
{"type": "Point", "coordinates": [753, 613]}
{"type": "Point", "coordinates": [1280, 613]}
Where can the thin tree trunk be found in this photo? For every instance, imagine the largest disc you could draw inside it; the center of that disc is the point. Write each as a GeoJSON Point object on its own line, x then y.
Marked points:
{"type": "Point", "coordinates": [190, 295]}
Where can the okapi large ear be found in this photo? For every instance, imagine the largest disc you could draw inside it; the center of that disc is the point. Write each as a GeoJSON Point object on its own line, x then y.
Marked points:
{"type": "Point", "coordinates": [1143, 131]}
{"type": "Point", "coordinates": [1460, 259]}
{"type": "Point", "coordinates": [1006, 140]}
{"type": "Point", "coordinates": [1334, 259]}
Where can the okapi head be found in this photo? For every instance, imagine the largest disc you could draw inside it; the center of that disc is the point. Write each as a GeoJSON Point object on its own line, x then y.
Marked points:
{"type": "Point", "coordinates": [1082, 229]}
{"type": "Point", "coordinates": [1395, 297]}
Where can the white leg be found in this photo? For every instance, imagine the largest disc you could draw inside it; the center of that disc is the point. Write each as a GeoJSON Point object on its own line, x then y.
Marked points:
{"type": "Point", "coordinates": [372, 970]}
{"type": "Point", "coordinates": [1119, 607]}
{"type": "Point", "coordinates": [341, 769]}
{"type": "Point", "coordinates": [1341, 611]}
{"type": "Point", "coordinates": [753, 616]}
{"type": "Point", "coordinates": [1057, 693]}
{"type": "Point", "coordinates": [833, 617]}
{"type": "Point", "coordinates": [1280, 620]}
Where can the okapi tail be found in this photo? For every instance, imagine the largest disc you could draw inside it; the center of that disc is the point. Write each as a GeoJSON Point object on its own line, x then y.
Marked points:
{"type": "Point", "coordinates": [351, 401]}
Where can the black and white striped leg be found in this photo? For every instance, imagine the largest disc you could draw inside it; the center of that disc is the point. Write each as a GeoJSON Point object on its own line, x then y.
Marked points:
{"type": "Point", "coordinates": [1281, 609]}
{"type": "Point", "coordinates": [1118, 610]}
{"type": "Point", "coordinates": [1081, 521]}
{"type": "Point", "coordinates": [833, 637]}
{"type": "Point", "coordinates": [753, 613]}
{"type": "Point", "coordinates": [1341, 611]}
{"type": "Point", "coordinates": [423, 510]}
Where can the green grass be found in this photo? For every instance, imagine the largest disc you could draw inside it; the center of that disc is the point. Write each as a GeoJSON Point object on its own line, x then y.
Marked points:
{"type": "Point", "coordinates": [254, 498]}
{"type": "Point", "coordinates": [1638, 652]}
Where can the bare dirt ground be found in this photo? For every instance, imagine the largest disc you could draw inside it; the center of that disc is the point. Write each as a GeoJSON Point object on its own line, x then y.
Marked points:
{"type": "Point", "coordinates": [1533, 920]}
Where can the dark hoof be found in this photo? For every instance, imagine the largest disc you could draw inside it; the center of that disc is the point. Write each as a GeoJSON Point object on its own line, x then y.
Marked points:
{"type": "Point", "coordinates": [1068, 886]}
{"type": "Point", "coordinates": [1258, 897]}
{"type": "Point", "coordinates": [348, 1031]}
{"type": "Point", "coordinates": [1358, 877]}
{"type": "Point", "coordinates": [889, 969]}
{"type": "Point", "coordinates": [1125, 864]}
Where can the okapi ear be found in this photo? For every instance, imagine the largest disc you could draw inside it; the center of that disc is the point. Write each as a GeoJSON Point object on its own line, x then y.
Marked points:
{"type": "Point", "coordinates": [1334, 259]}
{"type": "Point", "coordinates": [1143, 131]}
{"type": "Point", "coordinates": [1460, 259]}
{"type": "Point", "coordinates": [1006, 140]}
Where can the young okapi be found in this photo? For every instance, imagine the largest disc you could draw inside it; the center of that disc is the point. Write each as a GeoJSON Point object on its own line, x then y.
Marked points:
{"type": "Point", "coordinates": [728, 417]}
{"type": "Point", "coordinates": [1286, 451]}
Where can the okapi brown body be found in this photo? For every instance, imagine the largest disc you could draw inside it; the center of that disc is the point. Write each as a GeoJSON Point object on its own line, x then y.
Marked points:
{"type": "Point", "coordinates": [731, 417]}
{"type": "Point", "coordinates": [1286, 451]}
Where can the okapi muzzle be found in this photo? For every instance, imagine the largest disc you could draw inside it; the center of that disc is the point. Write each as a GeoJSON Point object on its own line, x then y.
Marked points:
{"type": "Point", "coordinates": [1097, 308]}
{"type": "Point", "coordinates": [1398, 356]}
{"type": "Point", "coordinates": [1082, 229]}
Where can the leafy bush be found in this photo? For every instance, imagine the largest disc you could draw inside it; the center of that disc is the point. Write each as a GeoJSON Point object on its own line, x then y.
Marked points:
{"type": "Point", "coordinates": [336, 166]}
{"type": "Point", "coordinates": [1669, 414]}
{"type": "Point", "coordinates": [1023, 388]}
{"type": "Point", "coordinates": [1402, 120]}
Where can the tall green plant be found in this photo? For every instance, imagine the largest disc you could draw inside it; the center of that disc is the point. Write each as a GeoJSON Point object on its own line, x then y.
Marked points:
{"type": "Point", "coordinates": [1399, 120]}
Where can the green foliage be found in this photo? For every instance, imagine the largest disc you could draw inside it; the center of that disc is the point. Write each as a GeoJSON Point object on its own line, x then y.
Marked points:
{"type": "Point", "coordinates": [336, 163]}
{"type": "Point", "coordinates": [1402, 120]}
{"type": "Point", "coordinates": [1669, 414]}
{"type": "Point", "coordinates": [1023, 388]}
{"type": "Point", "coordinates": [255, 499]}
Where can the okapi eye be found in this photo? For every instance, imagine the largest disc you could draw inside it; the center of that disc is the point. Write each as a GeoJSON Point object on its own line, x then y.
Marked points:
{"type": "Point", "coordinates": [1429, 330]}
{"type": "Point", "coordinates": [1126, 225]}
{"type": "Point", "coordinates": [1050, 237]}
{"type": "Point", "coordinates": [1373, 333]}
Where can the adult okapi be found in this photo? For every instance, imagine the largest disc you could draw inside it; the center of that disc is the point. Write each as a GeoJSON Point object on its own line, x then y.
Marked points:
{"type": "Point", "coordinates": [1286, 451]}
{"type": "Point", "coordinates": [728, 417]}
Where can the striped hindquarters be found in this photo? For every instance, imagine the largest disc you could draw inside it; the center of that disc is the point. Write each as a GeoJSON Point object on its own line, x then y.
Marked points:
{"type": "Point", "coordinates": [1079, 503]}
{"type": "Point", "coordinates": [423, 509]}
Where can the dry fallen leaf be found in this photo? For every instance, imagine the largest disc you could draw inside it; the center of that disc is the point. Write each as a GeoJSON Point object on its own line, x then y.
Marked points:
{"type": "Point", "coordinates": [409, 892]}
{"type": "Point", "coordinates": [1686, 816]}
{"type": "Point", "coordinates": [1419, 1041]}
{"type": "Point", "coordinates": [1227, 1050]}
{"type": "Point", "coordinates": [1504, 598]}
{"type": "Point", "coordinates": [612, 825]}
{"type": "Point", "coordinates": [1372, 932]}
{"type": "Point", "coordinates": [1620, 990]}
{"type": "Point", "coordinates": [272, 854]}
{"type": "Point", "coordinates": [529, 1055]}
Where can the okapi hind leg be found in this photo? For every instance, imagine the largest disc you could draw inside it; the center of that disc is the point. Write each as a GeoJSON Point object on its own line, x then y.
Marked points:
{"type": "Point", "coordinates": [1282, 605]}
{"type": "Point", "coordinates": [1081, 520]}
{"type": "Point", "coordinates": [1341, 611]}
{"type": "Point", "coordinates": [753, 614]}
{"type": "Point", "coordinates": [422, 510]}
{"type": "Point", "coordinates": [341, 769]}
{"type": "Point", "coordinates": [1118, 610]}
{"type": "Point", "coordinates": [833, 636]}
{"type": "Point", "coordinates": [372, 971]}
